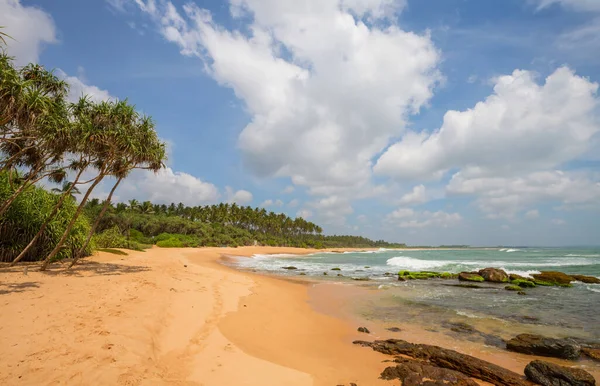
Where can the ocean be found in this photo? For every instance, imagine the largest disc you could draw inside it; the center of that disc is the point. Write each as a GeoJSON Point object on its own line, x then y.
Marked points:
{"type": "Point", "coordinates": [436, 304]}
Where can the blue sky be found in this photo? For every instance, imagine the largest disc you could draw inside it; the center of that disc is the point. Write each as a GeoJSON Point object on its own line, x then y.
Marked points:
{"type": "Point", "coordinates": [426, 122]}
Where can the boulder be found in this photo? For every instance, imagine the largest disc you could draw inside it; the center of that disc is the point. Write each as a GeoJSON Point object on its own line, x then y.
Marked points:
{"type": "Point", "coordinates": [470, 276]}
{"type": "Point", "coordinates": [336, 269]}
{"type": "Point", "coordinates": [449, 359]}
{"type": "Point", "coordinates": [414, 373]}
{"type": "Point", "coordinates": [513, 288]}
{"type": "Point", "coordinates": [514, 276]}
{"type": "Point", "coordinates": [586, 279]}
{"type": "Point", "coordinates": [289, 268]}
{"type": "Point", "coordinates": [592, 353]}
{"type": "Point", "coordinates": [364, 329]}
{"type": "Point", "coordinates": [494, 275]}
{"type": "Point", "coordinates": [549, 374]}
{"type": "Point", "coordinates": [553, 277]}
{"type": "Point", "coordinates": [542, 346]}
{"type": "Point", "coordinates": [523, 283]}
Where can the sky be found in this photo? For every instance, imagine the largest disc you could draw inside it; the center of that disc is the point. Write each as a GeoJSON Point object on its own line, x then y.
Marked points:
{"type": "Point", "coordinates": [420, 121]}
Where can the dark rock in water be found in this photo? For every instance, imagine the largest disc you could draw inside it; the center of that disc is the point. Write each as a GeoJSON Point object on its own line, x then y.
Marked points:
{"type": "Point", "coordinates": [521, 293]}
{"type": "Point", "coordinates": [470, 276]}
{"type": "Point", "coordinates": [401, 278]}
{"type": "Point", "coordinates": [324, 273]}
{"type": "Point", "coordinates": [468, 285]}
{"type": "Point", "coordinates": [461, 328]}
{"type": "Point", "coordinates": [556, 278]}
{"type": "Point", "coordinates": [366, 266]}
{"type": "Point", "coordinates": [542, 346]}
{"type": "Point", "coordinates": [340, 275]}
{"type": "Point", "coordinates": [549, 374]}
{"type": "Point", "coordinates": [586, 279]}
{"type": "Point", "coordinates": [523, 283]}
{"type": "Point", "coordinates": [289, 268]}
{"type": "Point", "coordinates": [414, 373]}
{"type": "Point", "coordinates": [466, 329]}
{"type": "Point", "coordinates": [394, 329]}
{"type": "Point", "coordinates": [336, 269]}
{"type": "Point", "coordinates": [513, 288]}
{"type": "Point", "coordinates": [302, 274]}
{"type": "Point", "coordinates": [592, 353]}
{"type": "Point", "coordinates": [494, 275]}
{"type": "Point", "coordinates": [361, 278]}
{"type": "Point", "coordinates": [449, 359]}
{"type": "Point", "coordinates": [364, 329]}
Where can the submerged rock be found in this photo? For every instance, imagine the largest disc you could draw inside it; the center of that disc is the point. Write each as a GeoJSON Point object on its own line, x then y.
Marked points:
{"type": "Point", "coordinates": [364, 329]}
{"type": "Point", "coordinates": [413, 373]}
{"type": "Point", "coordinates": [460, 327]}
{"type": "Point", "coordinates": [361, 278]}
{"type": "Point", "coordinates": [494, 275]}
{"type": "Point", "coordinates": [523, 283]}
{"type": "Point", "coordinates": [549, 374]}
{"type": "Point", "coordinates": [586, 279]}
{"type": "Point", "coordinates": [470, 276]}
{"type": "Point", "coordinates": [521, 293]}
{"type": "Point", "coordinates": [336, 269]}
{"type": "Point", "coordinates": [302, 274]}
{"type": "Point", "coordinates": [467, 285]}
{"type": "Point", "coordinates": [554, 278]}
{"type": "Point", "coordinates": [289, 268]}
{"type": "Point", "coordinates": [513, 288]}
{"type": "Point", "coordinates": [449, 359]}
{"type": "Point", "coordinates": [542, 346]}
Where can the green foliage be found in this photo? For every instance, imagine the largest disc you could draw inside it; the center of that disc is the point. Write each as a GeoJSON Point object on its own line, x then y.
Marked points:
{"type": "Point", "coordinates": [111, 238]}
{"type": "Point", "coordinates": [513, 288]}
{"type": "Point", "coordinates": [523, 283]}
{"type": "Point", "coordinates": [167, 240]}
{"type": "Point", "coordinates": [24, 218]}
{"type": "Point", "coordinates": [113, 251]}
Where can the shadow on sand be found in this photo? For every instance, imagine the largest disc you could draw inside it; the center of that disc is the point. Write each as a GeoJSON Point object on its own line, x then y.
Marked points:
{"type": "Point", "coordinates": [83, 268]}
{"type": "Point", "coordinates": [7, 288]}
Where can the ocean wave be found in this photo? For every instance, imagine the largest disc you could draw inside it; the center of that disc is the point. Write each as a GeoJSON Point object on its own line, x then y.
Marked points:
{"type": "Point", "coordinates": [577, 255]}
{"type": "Point", "coordinates": [408, 262]}
{"type": "Point", "coordinates": [510, 250]}
{"type": "Point", "coordinates": [593, 288]}
{"type": "Point", "coordinates": [275, 255]}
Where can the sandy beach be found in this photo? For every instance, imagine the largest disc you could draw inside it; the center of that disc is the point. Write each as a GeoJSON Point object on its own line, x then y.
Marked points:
{"type": "Point", "coordinates": [171, 316]}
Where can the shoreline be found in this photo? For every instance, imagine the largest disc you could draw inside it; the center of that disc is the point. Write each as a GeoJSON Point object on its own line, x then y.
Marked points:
{"type": "Point", "coordinates": [181, 316]}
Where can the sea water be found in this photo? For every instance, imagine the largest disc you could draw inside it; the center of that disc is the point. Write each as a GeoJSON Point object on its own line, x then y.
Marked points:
{"type": "Point", "coordinates": [561, 312]}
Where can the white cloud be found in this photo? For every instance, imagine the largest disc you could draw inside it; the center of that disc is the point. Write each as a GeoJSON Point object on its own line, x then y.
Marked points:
{"type": "Point", "coordinates": [409, 218]}
{"type": "Point", "coordinates": [578, 5]}
{"type": "Point", "coordinates": [416, 196]}
{"type": "Point", "coordinates": [269, 202]}
{"type": "Point", "coordinates": [304, 213]}
{"type": "Point", "coordinates": [78, 88]}
{"type": "Point", "coordinates": [558, 221]}
{"type": "Point", "coordinates": [332, 209]}
{"type": "Point", "coordinates": [288, 189]}
{"type": "Point", "coordinates": [501, 197]}
{"type": "Point", "coordinates": [323, 87]}
{"type": "Point", "coordinates": [240, 197]}
{"type": "Point", "coordinates": [293, 203]}
{"type": "Point", "coordinates": [532, 214]}
{"type": "Point", "coordinates": [167, 186]}
{"type": "Point", "coordinates": [521, 127]}
{"type": "Point", "coordinates": [30, 28]}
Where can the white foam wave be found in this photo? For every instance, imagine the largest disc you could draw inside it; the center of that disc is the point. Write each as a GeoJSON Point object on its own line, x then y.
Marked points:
{"type": "Point", "coordinates": [275, 255]}
{"type": "Point", "coordinates": [577, 255]}
{"type": "Point", "coordinates": [408, 262]}
{"type": "Point", "coordinates": [467, 314]}
{"type": "Point", "coordinates": [593, 288]}
{"type": "Point", "coordinates": [510, 250]}
{"type": "Point", "coordinates": [521, 273]}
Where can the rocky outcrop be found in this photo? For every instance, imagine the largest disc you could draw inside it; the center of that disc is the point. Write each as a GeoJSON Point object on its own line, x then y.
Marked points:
{"type": "Point", "coordinates": [523, 283]}
{"type": "Point", "coordinates": [542, 346]}
{"type": "Point", "coordinates": [592, 353]}
{"type": "Point", "coordinates": [514, 276]}
{"type": "Point", "coordinates": [494, 275]}
{"type": "Point", "coordinates": [449, 359]}
{"type": "Point", "coordinates": [364, 329]}
{"type": "Point", "coordinates": [586, 279]}
{"type": "Point", "coordinates": [414, 373]}
{"type": "Point", "coordinates": [554, 278]}
{"type": "Point", "coordinates": [470, 276]}
{"type": "Point", "coordinates": [549, 374]}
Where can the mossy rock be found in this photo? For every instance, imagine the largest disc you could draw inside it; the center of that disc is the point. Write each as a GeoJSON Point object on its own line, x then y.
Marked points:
{"type": "Point", "coordinates": [403, 273]}
{"type": "Point", "coordinates": [335, 269]}
{"type": "Point", "coordinates": [302, 274]}
{"type": "Point", "coordinates": [289, 268]}
{"type": "Point", "coordinates": [586, 279]}
{"type": "Point", "coordinates": [514, 276]}
{"type": "Point", "coordinates": [467, 285]}
{"type": "Point", "coordinates": [448, 275]}
{"type": "Point", "coordinates": [340, 275]}
{"type": "Point", "coordinates": [366, 266]}
{"type": "Point", "coordinates": [324, 273]}
{"type": "Point", "coordinates": [543, 283]}
{"type": "Point", "coordinates": [554, 277]}
{"type": "Point", "coordinates": [523, 283]}
{"type": "Point", "coordinates": [513, 288]}
{"type": "Point", "coordinates": [361, 278]}
{"type": "Point", "coordinates": [469, 276]}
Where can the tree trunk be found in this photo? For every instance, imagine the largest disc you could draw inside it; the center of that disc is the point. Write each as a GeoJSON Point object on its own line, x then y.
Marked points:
{"type": "Point", "coordinates": [71, 224]}
{"type": "Point", "coordinates": [48, 219]}
{"type": "Point", "coordinates": [95, 225]}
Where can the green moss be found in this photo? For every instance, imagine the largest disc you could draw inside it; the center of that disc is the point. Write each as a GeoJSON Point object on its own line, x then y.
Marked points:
{"type": "Point", "coordinates": [543, 283]}
{"type": "Point", "coordinates": [448, 275]}
{"type": "Point", "coordinates": [513, 288]}
{"type": "Point", "coordinates": [403, 273]}
{"type": "Point", "coordinates": [523, 283]}
{"type": "Point", "coordinates": [466, 276]}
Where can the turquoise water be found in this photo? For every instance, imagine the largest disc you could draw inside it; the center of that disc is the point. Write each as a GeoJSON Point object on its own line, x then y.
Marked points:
{"type": "Point", "coordinates": [550, 310]}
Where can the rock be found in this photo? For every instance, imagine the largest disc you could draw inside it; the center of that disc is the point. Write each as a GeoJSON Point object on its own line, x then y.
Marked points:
{"type": "Point", "coordinates": [549, 374]}
{"type": "Point", "coordinates": [586, 279]}
{"type": "Point", "coordinates": [449, 359]}
{"type": "Point", "coordinates": [513, 288]}
{"type": "Point", "coordinates": [302, 274]}
{"type": "Point", "coordinates": [394, 329]}
{"type": "Point", "coordinates": [514, 276]}
{"type": "Point", "coordinates": [364, 329]}
{"type": "Point", "coordinates": [414, 373]}
{"type": "Point", "coordinates": [523, 283]}
{"type": "Point", "coordinates": [336, 269]}
{"type": "Point", "coordinates": [289, 268]}
{"type": "Point", "coordinates": [521, 293]}
{"type": "Point", "coordinates": [340, 275]}
{"type": "Point", "coordinates": [470, 276]}
{"type": "Point", "coordinates": [494, 275]}
{"type": "Point", "coordinates": [460, 327]}
{"type": "Point", "coordinates": [592, 353]}
{"type": "Point", "coordinates": [366, 266]}
{"type": "Point", "coordinates": [542, 346]}
{"type": "Point", "coordinates": [401, 278]}
{"type": "Point", "coordinates": [361, 278]}
{"type": "Point", "coordinates": [468, 285]}
{"type": "Point", "coordinates": [556, 278]}
{"type": "Point", "coordinates": [324, 273]}
{"type": "Point", "coordinates": [448, 275]}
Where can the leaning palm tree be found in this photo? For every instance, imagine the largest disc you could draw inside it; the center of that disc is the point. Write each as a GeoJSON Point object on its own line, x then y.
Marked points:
{"type": "Point", "coordinates": [67, 187]}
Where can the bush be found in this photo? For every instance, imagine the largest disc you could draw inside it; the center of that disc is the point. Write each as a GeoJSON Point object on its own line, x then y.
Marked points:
{"type": "Point", "coordinates": [25, 217]}
{"type": "Point", "coordinates": [111, 238]}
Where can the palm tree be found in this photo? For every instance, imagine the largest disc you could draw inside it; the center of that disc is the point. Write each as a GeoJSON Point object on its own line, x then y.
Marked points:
{"type": "Point", "coordinates": [67, 187]}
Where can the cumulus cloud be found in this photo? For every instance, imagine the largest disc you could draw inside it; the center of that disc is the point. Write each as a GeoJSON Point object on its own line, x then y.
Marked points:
{"type": "Point", "coordinates": [522, 127]}
{"type": "Point", "coordinates": [240, 197]}
{"type": "Point", "coordinates": [269, 203]}
{"type": "Point", "coordinates": [79, 88]}
{"type": "Point", "coordinates": [293, 203]}
{"type": "Point", "coordinates": [416, 196]}
{"type": "Point", "coordinates": [332, 209]}
{"type": "Point", "coordinates": [168, 186]}
{"type": "Point", "coordinates": [30, 28]}
{"type": "Point", "coordinates": [410, 218]}
{"type": "Point", "coordinates": [326, 88]}
{"type": "Point", "coordinates": [304, 213]}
